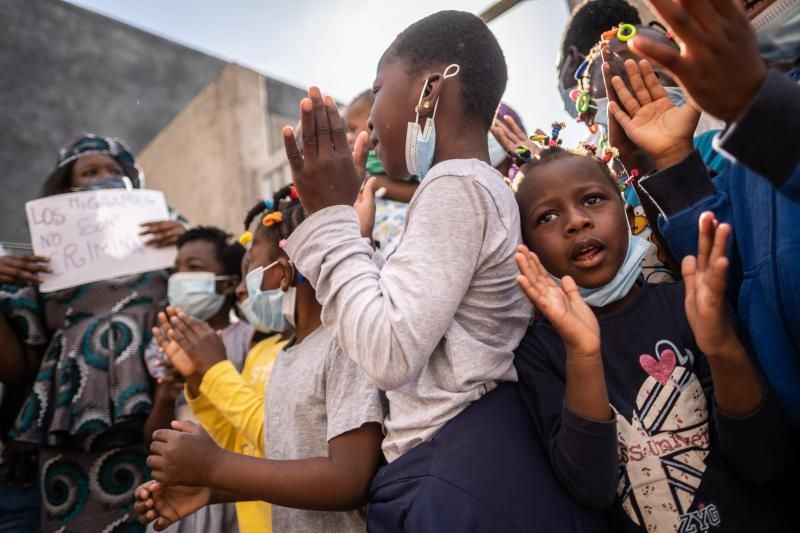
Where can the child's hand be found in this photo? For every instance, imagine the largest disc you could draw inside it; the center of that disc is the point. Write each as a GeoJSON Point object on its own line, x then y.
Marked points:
{"type": "Point", "coordinates": [719, 64]}
{"type": "Point", "coordinates": [177, 357]}
{"type": "Point", "coordinates": [167, 504]}
{"type": "Point", "coordinates": [649, 117]}
{"type": "Point", "coordinates": [705, 278]}
{"type": "Point", "coordinates": [327, 173]}
{"type": "Point", "coordinates": [183, 455]}
{"type": "Point", "coordinates": [201, 344]}
{"type": "Point", "coordinates": [510, 136]}
{"type": "Point", "coordinates": [169, 387]}
{"type": "Point", "coordinates": [562, 306]}
{"type": "Point", "coordinates": [365, 207]}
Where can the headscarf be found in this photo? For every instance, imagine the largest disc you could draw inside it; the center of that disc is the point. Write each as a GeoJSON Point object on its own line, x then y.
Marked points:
{"type": "Point", "coordinates": [89, 143]}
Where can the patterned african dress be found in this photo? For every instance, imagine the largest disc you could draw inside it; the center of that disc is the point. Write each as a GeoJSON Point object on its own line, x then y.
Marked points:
{"type": "Point", "coordinates": [90, 398]}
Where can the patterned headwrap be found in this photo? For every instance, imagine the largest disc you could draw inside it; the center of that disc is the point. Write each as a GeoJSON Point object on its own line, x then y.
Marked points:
{"type": "Point", "coordinates": [89, 143]}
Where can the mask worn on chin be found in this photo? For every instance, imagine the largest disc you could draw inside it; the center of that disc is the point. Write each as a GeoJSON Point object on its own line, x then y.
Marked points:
{"type": "Point", "coordinates": [270, 307]}
{"type": "Point", "coordinates": [108, 182]}
{"type": "Point", "coordinates": [778, 31]}
{"type": "Point", "coordinates": [246, 307]}
{"type": "Point", "coordinates": [421, 142]}
{"type": "Point", "coordinates": [601, 115]}
{"type": "Point", "coordinates": [195, 293]}
{"type": "Point", "coordinates": [626, 276]}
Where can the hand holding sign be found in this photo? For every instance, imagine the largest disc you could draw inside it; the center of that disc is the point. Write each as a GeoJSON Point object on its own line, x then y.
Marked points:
{"type": "Point", "coordinates": [94, 235]}
{"type": "Point", "coordinates": [23, 269]}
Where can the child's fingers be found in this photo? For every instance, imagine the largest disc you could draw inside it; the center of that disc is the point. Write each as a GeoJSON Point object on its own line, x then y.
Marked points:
{"type": "Point", "coordinates": [637, 83]}
{"type": "Point", "coordinates": [514, 127]}
{"type": "Point", "coordinates": [705, 239]}
{"type": "Point", "coordinates": [619, 115]}
{"type": "Point", "coordinates": [704, 14]}
{"type": "Point", "coordinates": [157, 447]}
{"type": "Point", "coordinates": [716, 279]}
{"type": "Point", "coordinates": [161, 435]}
{"type": "Point", "coordinates": [338, 129]}
{"type": "Point", "coordinates": [688, 272]}
{"type": "Point", "coordinates": [185, 426]}
{"type": "Point", "coordinates": [323, 126]}
{"type": "Point", "coordinates": [293, 154]}
{"type": "Point", "coordinates": [679, 21]}
{"type": "Point", "coordinates": [308, 129]}
{"type": "Point", "coordinates": [360, 153]}
{"type": "Point", "coordinates": [180, 333]}
{"type": "Point", "coordinates": [651, 80]}
{"type": "Point", "coordinates": [156, 464]}
{"type": "Point", "coordinates": [665, 55]}
{"type": "Point", "coordinates": [626, 100]}
{"type": "Point", "coordinates": [525, 266]}
{"type": "Point", "coordinates": [569, 286]}
{"type": "Point", "coordinates": [163, 320]}
{"type": "Point", "coordinates": [720, 247]}
{"type": "Point", "coordinates": [161, 524]}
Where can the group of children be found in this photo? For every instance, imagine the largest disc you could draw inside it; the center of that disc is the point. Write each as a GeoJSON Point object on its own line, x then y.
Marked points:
{"type": "Point", "coordinates": [423, 345]}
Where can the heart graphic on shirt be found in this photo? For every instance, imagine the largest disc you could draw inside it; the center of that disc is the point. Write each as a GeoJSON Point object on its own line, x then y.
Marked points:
{"type": "Point", "coordinates": [659, 369]}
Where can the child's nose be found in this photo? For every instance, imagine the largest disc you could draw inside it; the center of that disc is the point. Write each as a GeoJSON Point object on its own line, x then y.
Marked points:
{"type": "Point", "coordinates": [579, 221]}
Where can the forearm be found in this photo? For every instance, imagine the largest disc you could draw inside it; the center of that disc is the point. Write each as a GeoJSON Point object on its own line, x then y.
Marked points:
{"type": "Point", "coordinates": [315, 484]}
{"type": "Point", "coordinates": [160, 417]}
{"type": "Point", "coordinates": [585, 393]}
{"type": "Point", "coordinates": [738, 387]}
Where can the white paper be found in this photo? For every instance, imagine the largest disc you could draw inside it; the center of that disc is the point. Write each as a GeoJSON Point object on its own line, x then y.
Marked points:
{"type": "Point", "coordinates": [94, 235]}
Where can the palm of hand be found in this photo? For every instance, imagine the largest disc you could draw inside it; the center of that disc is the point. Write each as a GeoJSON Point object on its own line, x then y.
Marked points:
{"type": "Point", "coordinates": [658, 125]}
{"type": "Point", "coordinates": [573, 319]}
{"type": "Point", "coordinates": [705, 315]}
{"type": "Point", "coordinates": [179, 358]}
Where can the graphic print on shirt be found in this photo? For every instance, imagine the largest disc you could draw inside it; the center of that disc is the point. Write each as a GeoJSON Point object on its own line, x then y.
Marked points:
{"type": "Point", "coordinates": [664, 445]}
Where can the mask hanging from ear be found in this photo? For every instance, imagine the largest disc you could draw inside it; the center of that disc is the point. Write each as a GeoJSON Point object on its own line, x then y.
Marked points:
{"type": "Point", "coordinates": [778, 31]}
{"type": "Point", "coordinates": [421, 142]}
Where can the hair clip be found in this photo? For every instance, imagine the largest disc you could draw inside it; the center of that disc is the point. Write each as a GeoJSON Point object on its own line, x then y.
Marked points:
{"type": "Point", "coordinates": [293, 193]}
{"type": "Point", "coordinates": [633, 175]}
{"type": "Point", "coordinates": [523, 153]}
{"type": "Point", "coordinates": [539, 137]}
{"type": "Point", "coordinates": [583, 102]}
{"type": "Point", "coordinates": [268, 204]}
{"type": "Point", "coordinates": [592, 149]}
{"type": "Point", "coordinates": [626, 32]}
{"type": "Point", "coordinates": [271, 219]}
{"type": "Point", "coordinates": [554, 140]}
{"type": "Point", "coordinates": [282, 244]}
{"type": "Point", "coordinates": [610, 34]}
{"type": "Point", "coordinates": [246, 238]}
{"type": "Point", "coordinates": [610, 153]}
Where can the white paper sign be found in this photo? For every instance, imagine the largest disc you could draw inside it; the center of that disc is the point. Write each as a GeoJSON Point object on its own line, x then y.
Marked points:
{"type": "Point", "coordinates": [94, 235]}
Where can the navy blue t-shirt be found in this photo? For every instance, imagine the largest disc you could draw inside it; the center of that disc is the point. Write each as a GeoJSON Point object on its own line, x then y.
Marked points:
{"type": "Point", "coordinates": [669, 460]}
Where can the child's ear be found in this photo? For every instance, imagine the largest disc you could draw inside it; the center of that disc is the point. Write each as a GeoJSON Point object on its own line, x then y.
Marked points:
{"type": "Point", "coordinates": [430, 95]}
{"type": "Point", "coordinates": [287, 273]}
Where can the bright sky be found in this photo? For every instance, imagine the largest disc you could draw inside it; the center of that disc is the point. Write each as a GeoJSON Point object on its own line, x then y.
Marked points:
{"type": "Point", "coordinates": [337, 44]}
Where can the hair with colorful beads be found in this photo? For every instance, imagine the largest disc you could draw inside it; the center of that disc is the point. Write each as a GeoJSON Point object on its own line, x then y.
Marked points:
{"type": "Point", "coordinates": [278, 217]}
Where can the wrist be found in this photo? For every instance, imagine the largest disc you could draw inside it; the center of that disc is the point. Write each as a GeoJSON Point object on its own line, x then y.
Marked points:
{"type": "Point", "coordinates": [674, 154]}
{"type": "Point", "coordinates": [205, 365]}
{"type": "Point", "coordinates": [730, 350]}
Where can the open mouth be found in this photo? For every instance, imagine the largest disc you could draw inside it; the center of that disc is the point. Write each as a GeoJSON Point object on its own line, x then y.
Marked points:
{"type": "Point", "coordinates": [588, 253]}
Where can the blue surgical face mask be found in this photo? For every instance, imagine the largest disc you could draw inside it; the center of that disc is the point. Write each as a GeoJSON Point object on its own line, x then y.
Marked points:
{"type": "Point", "coordinates": [108, 182]}
{"type": "Point", "coordinates": [601, 116]}
{"type": "Point", "coordinates": [195, 293]}
{"type": "Point", "coordinates": [778, 31]}
{"type": "Point", "coordinates": [421, 142]}
{"type": "Point", "coordinates": [270, 307]}
{"type": "Point", "coordinates": [621, 284]}
{"type": "Point", "coordinates": [676, 95]}
{"type": "Point", "coordinates": [246, 307]}
{"type": "Point", "coordinates": [497, 154]}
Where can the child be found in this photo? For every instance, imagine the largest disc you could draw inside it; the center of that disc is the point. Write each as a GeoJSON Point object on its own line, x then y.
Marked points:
{"type": "Point", "coordinates": [760, 191]}
{"type": "Point", "coordinates": [322, 417]}
{"type": "Point", "coordinates": [436, 326]}
{"type": "Point", "coordinates": [618, 377]}
{"type": "Point", "coordinates": [391, 206]}
{"type": "Point", "coordinates": [205, 276]}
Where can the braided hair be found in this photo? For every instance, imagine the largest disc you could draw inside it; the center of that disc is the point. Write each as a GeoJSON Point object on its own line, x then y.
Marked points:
{"type": "Point", "coordinates": [278, 217]}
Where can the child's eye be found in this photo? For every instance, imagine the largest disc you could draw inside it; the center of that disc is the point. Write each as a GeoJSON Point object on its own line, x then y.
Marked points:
{"type": "Point", "coordinates": [545, 218]}
{"type": "Point", "coordinates": [593, 199]}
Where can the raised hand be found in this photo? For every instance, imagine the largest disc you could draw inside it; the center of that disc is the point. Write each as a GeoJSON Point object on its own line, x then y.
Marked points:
{"type": "Point", "coordinates": [165, 505]}
{"type": "Point", "coordinates": [162, 233]}
{"type": "Point", "coordinates": [23, 269]}
{"type": "Point", "coordinates": [201, 344]}
{"type": "Point", "coordinates": [327, 173]}
{"type": "Point", "coordinates": [183, 455]}
{"type": "Point", "coordinates": [177, 357]}
{"type": "Point", "coordinates": [649, 118]}
{"type": "Point", "coordinates": [510, 136]}
{"type": "Point", "coordinates": [705, 277]}
{"type": "Point", "coordinates": [365, 207]}
{"type": "Point", "coordinates": [562, 306]}
{"type": "Point", "coordinates": [719, 64]}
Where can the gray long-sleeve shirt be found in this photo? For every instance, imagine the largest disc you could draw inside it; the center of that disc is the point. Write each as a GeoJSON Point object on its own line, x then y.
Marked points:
{"type": "Point", "coordinates": [437, 325]}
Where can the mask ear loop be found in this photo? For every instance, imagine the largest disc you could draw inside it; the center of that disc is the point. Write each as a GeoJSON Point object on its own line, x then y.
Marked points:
{"type": "Point", "coordinates": [449, 72]}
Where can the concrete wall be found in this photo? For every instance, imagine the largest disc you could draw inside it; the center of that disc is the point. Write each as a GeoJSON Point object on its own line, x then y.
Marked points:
{"type": "Point", "coordinates": [65, 70]}
{"type": "Point", "coordinates": [210, 158]}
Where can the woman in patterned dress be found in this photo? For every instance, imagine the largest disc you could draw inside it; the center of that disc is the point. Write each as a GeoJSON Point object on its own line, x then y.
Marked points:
{"type": "Point", "coordinates": [92, 393]}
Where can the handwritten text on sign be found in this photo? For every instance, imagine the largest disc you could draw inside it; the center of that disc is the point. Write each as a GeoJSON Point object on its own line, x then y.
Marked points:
{"type": "Point", "coordinates": [94, 235]}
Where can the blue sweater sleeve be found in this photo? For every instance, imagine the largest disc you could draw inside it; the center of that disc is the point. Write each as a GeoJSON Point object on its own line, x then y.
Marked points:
{"type": "Point", "coordinates": [765, 138]}
{"type": "Point", "coordinates": [583, 452]}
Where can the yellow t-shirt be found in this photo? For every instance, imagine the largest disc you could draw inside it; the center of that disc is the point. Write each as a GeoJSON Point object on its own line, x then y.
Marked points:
{"type": "Point", "coordinates": [231, 408]}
